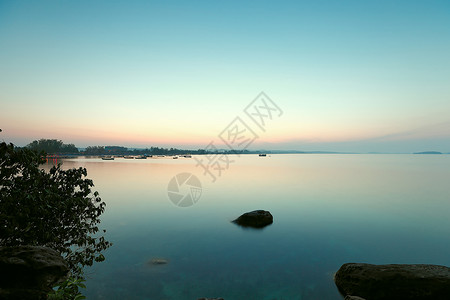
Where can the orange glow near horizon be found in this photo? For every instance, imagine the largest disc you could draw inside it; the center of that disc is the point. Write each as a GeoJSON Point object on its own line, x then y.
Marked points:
{"type": "Point", "coordinates": [169, 137]}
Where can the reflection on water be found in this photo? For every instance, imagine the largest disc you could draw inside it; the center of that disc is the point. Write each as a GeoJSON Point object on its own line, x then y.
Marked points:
{"type": "Point", "coordinates": [328, 210]}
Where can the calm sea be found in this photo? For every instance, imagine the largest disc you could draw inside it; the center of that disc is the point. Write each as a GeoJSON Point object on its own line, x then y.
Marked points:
{"type": "Point", "coordinates": [328, 210]}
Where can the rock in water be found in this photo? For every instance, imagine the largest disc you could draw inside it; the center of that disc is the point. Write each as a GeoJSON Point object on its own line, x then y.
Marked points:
{"type": "Point", "coordinates": [256, 219]}
{"type": "Point", "coordinates": [348, 297]}
{"type": "Point", "coordinates": [159, 261]}
{"type": "Point", "coordinates": [29, 272]}
{"type": "Point", "coordinates": [386, 282]}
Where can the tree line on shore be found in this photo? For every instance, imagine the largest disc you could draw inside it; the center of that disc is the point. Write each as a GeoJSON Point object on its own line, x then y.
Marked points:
{"type": "Point", "coordinates": [54, 146]}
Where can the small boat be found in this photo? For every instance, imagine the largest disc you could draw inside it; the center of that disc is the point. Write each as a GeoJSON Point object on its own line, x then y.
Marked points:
{"type": "Point", "coordinates": [128, 157]}
{"type": "Point", "coordinates": [141, 157]}
{"type": "Point", "coordinates": [187, 156]}
{"type": "Point", "coordinates": [262, 154]}
{"type": "Point", "coordinates": [107, 158]}
{"type": "Point", "coordinates": [175, 157]}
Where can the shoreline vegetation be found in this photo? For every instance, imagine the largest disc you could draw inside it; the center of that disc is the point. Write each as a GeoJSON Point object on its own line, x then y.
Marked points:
{"type": "Point", "coordinates": [54, 147]}
{"type": "Point", "coordinates": [56, 209]}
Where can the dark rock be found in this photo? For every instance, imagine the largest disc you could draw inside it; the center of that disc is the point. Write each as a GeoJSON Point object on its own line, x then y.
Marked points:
{"type": "Point", "coordinates": [29, 272]}
{"type": "Point", "coordinates": [408, 282]}
{"type": "Point", "coordinates": [256, 219]}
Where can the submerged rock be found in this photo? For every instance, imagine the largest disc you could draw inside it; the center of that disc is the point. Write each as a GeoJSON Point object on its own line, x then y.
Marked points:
{"type": "Point", "coordinates": [408, 282]}
{"type": "Point", "coordinates": [29, 272]}
{"type": "Point", "coordinates": [159, 261]}
{"type": "Point", "coordinates": [256, 219]}
{"type": "Point", "coordinates": [348, 297]}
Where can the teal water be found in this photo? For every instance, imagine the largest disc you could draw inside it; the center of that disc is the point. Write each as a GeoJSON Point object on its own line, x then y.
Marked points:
{"type": "Point", "coordinates": [328, 210]}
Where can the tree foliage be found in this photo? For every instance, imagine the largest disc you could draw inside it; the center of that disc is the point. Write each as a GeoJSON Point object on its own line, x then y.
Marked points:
{"type": "Point", "coordinates": [69, 289]}
{"type": "Point", "coordinates": [55, 208]}
{"type": "Point", "coordinates": [52, 146]}
{"type": "Point", "coordinates": [95, 150]}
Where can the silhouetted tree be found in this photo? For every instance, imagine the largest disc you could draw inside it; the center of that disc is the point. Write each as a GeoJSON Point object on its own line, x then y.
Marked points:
{"type": "Point", "coordinates": [52, 146]}
{"type": "Point", "coordinates": [55, 208]}
{"type": "Point", "coordinates": [95, 150]}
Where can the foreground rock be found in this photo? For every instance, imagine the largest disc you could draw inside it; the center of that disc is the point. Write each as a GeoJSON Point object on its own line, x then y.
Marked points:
{"type": "Point", "coordinates": [256, 219]}
{"type": "Point", "coordinates": [29, 272]}
{"type": "Point", "coordinates": [408, 282]}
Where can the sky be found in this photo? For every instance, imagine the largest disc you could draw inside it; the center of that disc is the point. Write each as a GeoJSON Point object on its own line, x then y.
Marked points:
{"type": "Point", "coordinates": [355, 76]}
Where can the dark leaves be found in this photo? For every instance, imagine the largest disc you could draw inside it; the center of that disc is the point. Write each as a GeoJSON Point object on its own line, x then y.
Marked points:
{"type": "Point", "coordinates": [55, 208]}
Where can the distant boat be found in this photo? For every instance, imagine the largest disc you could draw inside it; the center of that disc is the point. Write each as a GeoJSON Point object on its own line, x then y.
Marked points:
{"type": "Point", "coordinates": [128, 157]}
{"type": "Point", "coordinates": [141, 157]}
{"type": "Point", "coordinates": [175, 157]}
{"type": "Point", "coordinates": [107, 158]}
{"type": "Point", "coordinates": [262, 154]}
{"type": "Point", "coordinates": [187, 156]}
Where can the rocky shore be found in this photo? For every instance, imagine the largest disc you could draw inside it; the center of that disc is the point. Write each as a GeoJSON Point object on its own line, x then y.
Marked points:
{"type": "Point", "coordinates": [30, 272]}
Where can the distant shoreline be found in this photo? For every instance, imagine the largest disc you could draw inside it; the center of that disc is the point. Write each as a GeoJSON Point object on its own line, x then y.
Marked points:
{"type": "Point", "coordinates": [65, 155]}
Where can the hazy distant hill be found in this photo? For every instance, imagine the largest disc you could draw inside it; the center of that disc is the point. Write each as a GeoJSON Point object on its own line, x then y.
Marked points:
{"type": "Point", "coordinates": [428, 152]}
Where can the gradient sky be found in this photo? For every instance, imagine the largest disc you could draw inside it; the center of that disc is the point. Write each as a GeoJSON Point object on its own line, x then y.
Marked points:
{"type": "Point", "coordinates": [348, 75]}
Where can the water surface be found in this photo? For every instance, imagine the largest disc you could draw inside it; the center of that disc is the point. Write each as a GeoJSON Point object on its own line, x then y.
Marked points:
{"type": "Point", "coordinates": [328, 210]}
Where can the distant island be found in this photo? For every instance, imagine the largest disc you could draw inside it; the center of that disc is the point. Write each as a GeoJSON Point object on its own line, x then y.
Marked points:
{"type": "Point", "coordinates": [428, 152]}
